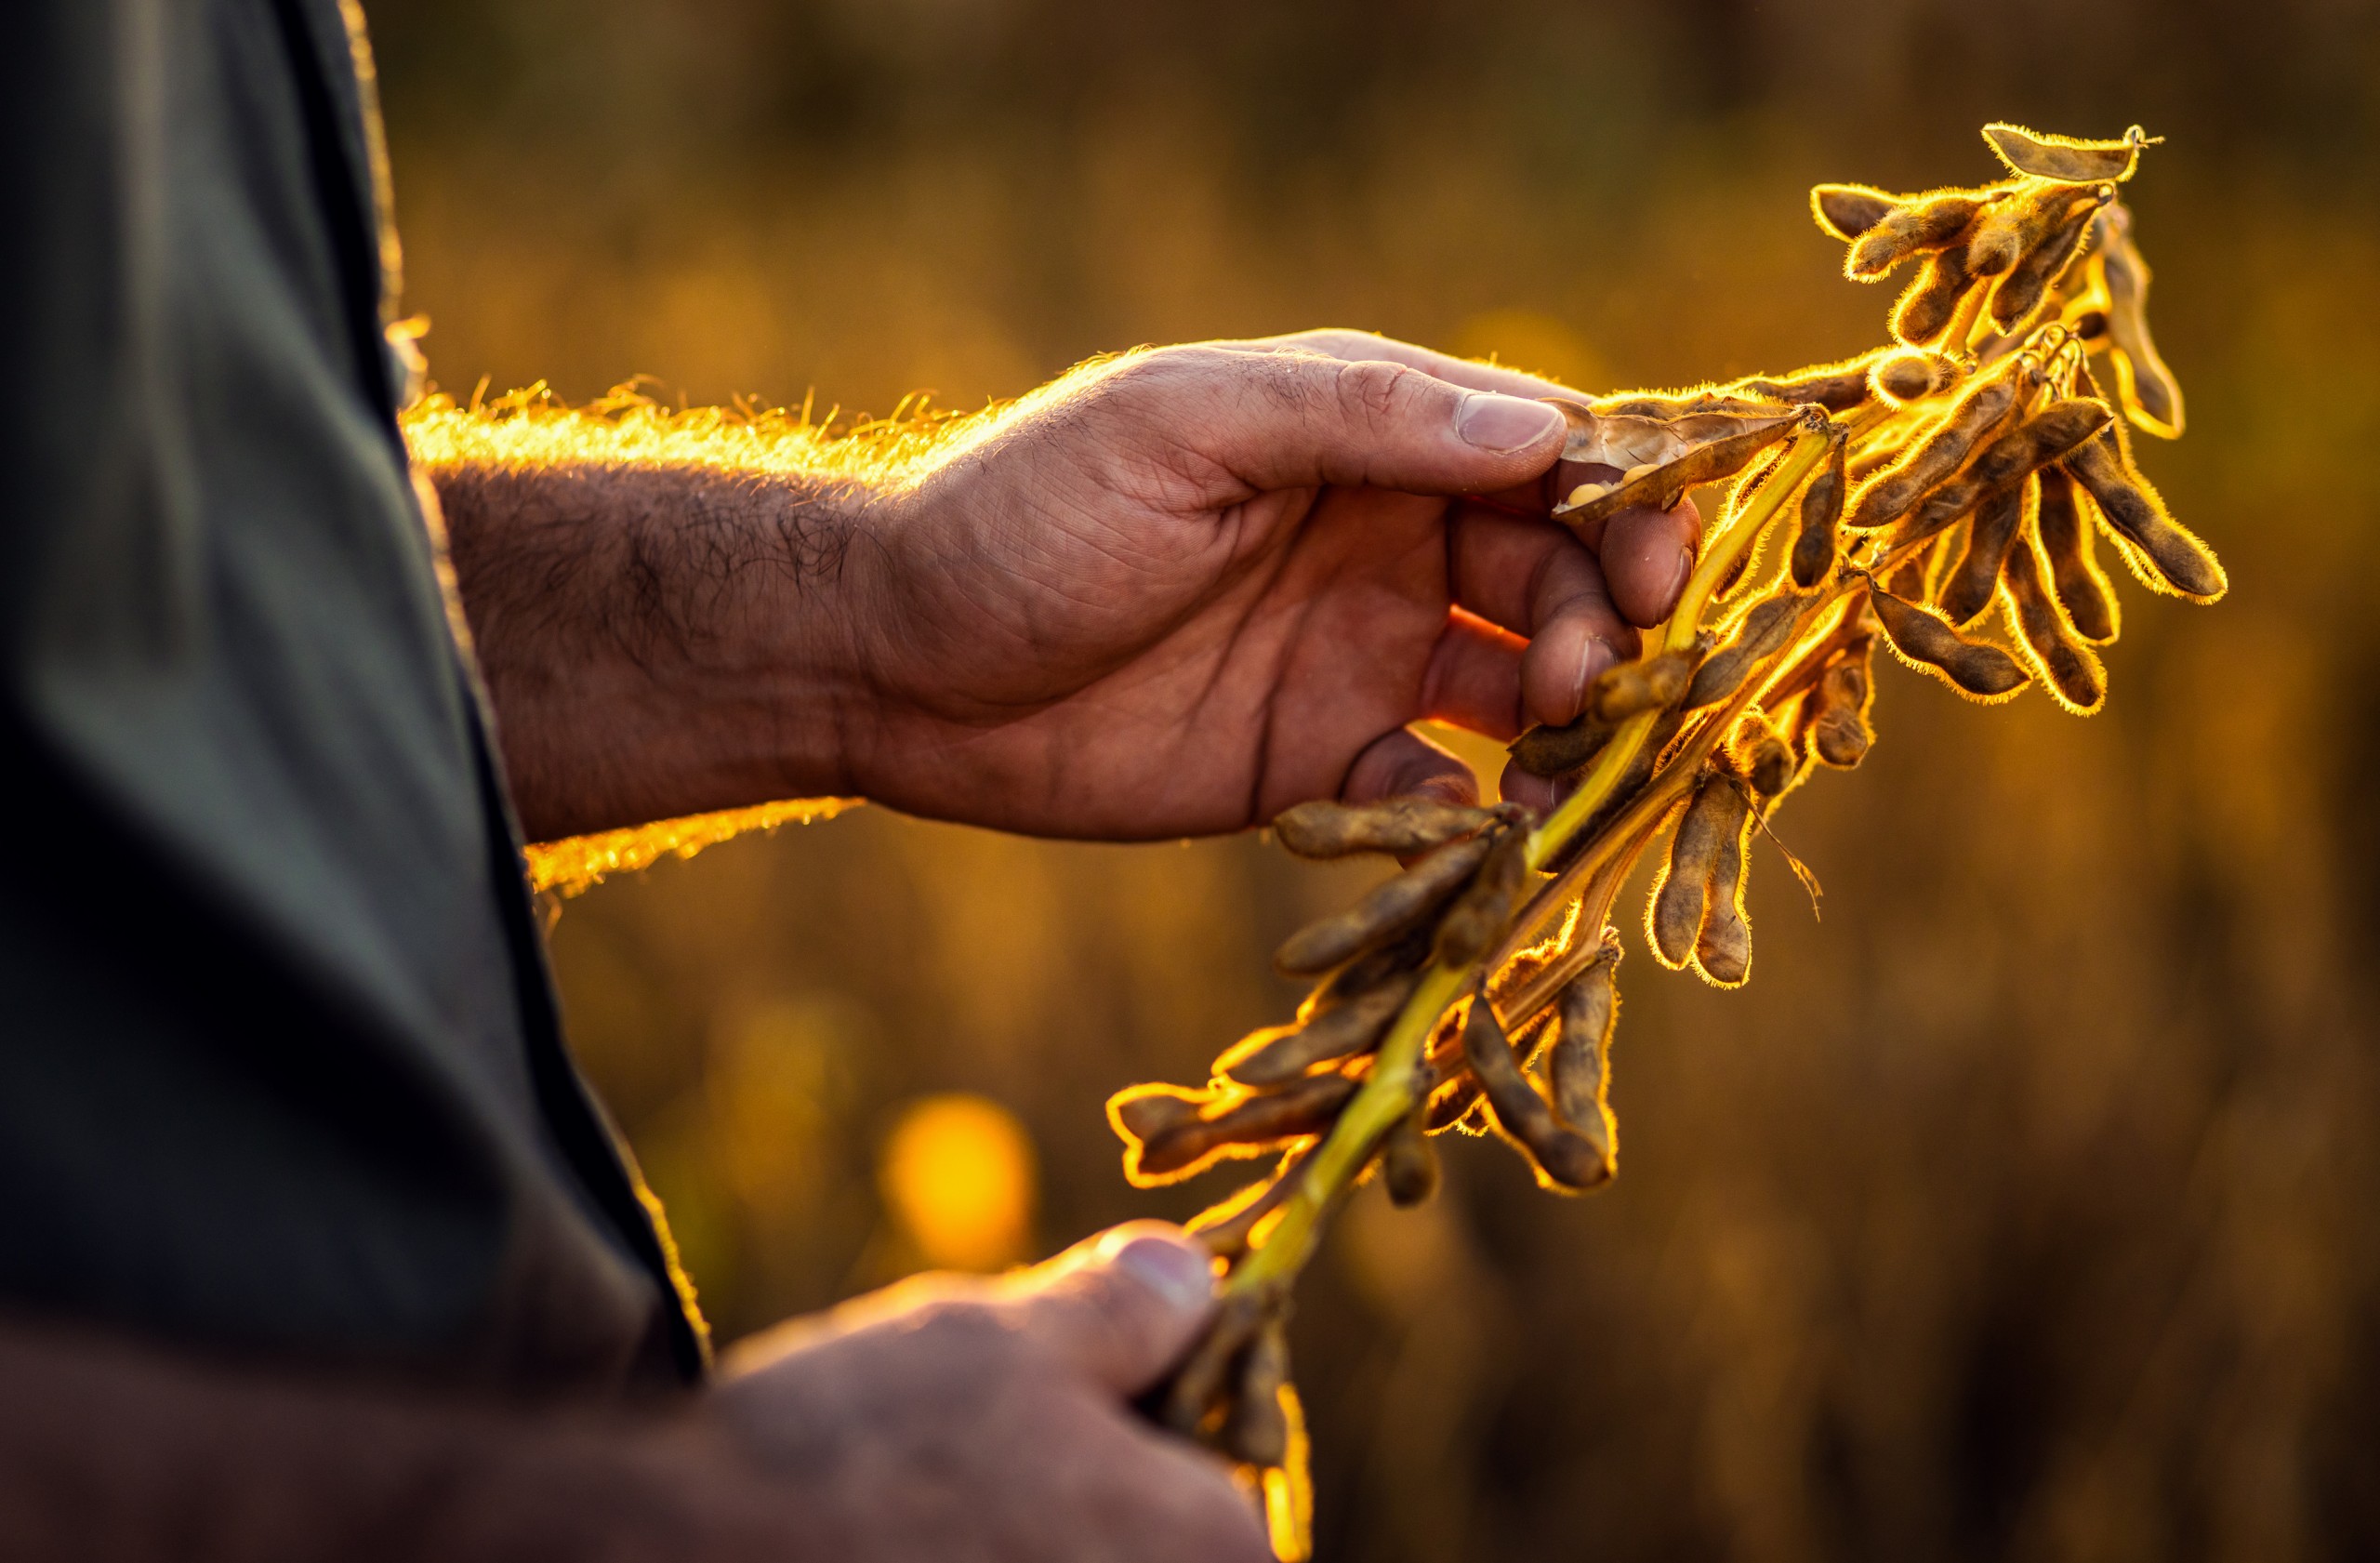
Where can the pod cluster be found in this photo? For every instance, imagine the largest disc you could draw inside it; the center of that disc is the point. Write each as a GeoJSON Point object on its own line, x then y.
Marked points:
{"type": "Point", "coordinates": [1944, 495]}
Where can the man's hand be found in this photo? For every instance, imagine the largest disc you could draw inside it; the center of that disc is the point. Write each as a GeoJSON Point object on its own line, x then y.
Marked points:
{"type": "Point", "coordinates": [983, 1421]}
{"type": "Point", "coordinates": [1182, 591]}
{"type": "Point", "coordinates": [1167, 595]}
{"type": "Point", "coordinates": [951, 1419]}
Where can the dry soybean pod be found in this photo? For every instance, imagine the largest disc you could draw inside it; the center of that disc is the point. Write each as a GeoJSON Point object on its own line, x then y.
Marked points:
{"type": "Point", "coordinates": [1234, 1126]}
{"type": "Point", "coordinates": [1673, 912]}
{"type": "Point", "coordinates": [1845, 211]}
{"type": "Point", "coordinates": [1563, 1158]}
{"type": "Point", "coordinates": [1974, 581]}
{"type": "Point", "coordinates": [1762, 754]}
{"type": "Point", "coordinates": [1648, 684]}
{"type": "Point", "coordinates": [2180, 562]}
{"type": "Point", "coordinates": [1914, 226]}
{"type": "Point", "coordinates": [2006, 461]}
{"type": "Point", "coordinates": [1840, 735]}
{"type": "Point", "coordinates": [2066, 666]}
{"type": "Point", "coordinates": [1283, 1053]}
{"type": "Point", "coordinates": [1553, 751]}
{"type": "Point", "coordinates": [1323, 828]}
{"type": "Point", "coordinates": [2004, 234]}
{"type": "Point", "coordinates": [1395, 906]}
{"type": "Point", "coordinates": [1256, 1429]}
{"type": "Point", "coordinates": [1482, 910]}
{"type": "Point", "coordinates": [2065, 158]}
{"type": "Point", "coordinates": [1226, 1226]}
{"type": "Point", "coordinates": [1814, 547]}
{"type": "Point", "coordinates": [1839, 388]}
{"type": "Point", "coordinates": [1580, 1067]}
{"type": "Point", "coordinates": [1408, 1163]}
{"type": "Point", "coordinates": [1766, 630]}
{"type": "Point", "coordinates": [1980, 408]}
{"type": "Point", "coordinates": [1913, 374]}
{"type": "Point", "coordinates": [1662, 485]}
{"type": "Point", "coordinates": [1198, 1384]}
{"type": "Point", "coordinates": [2018, 294]}
{"type": "Point", "coordinates": [2083, 589]}
{"type": "Point", "coordinates": [1722, 943]}
{"type": "Point", "coordinates": [1974, 668]}
{"type": "Point", "coordinates": [2153, 397]}
{"type": "Point", "coordinates": [1927, 310]}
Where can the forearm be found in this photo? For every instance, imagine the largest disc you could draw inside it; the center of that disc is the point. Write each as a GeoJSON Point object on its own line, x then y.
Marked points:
{"type": "Point", "coordinates": [117, 1453]}
{"type": "Point", "coordinates": [659, 636]}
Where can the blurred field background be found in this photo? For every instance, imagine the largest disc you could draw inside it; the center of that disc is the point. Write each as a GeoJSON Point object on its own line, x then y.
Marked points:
{"type": "Point", "coordinates": [2026, 1207]}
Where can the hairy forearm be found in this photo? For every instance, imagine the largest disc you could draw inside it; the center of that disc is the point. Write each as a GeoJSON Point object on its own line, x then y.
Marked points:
{"type": "Point", "coordinates": [112, 1452]}
{"type": "Point", "coordinates": [658, 625]}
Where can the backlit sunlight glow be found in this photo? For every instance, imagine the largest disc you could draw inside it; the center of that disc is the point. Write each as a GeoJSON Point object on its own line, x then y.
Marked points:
{"type": "Point", "coordinates": [958, 1176]}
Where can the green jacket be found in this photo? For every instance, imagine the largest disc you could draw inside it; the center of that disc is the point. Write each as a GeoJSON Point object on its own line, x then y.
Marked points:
{"type": "Point", "coordinates": [280, 1068]}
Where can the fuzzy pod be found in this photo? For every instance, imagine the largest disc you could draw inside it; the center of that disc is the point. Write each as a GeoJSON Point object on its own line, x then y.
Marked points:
{"type": "Point", "coordinates": [2004, 234]}
{"type": "Point", "coordinates": [1579, 1068]}
{"type": "Point", "coordinates": [1205, 1378]}
{"type": "Point", "coordinates": [1563, 1158]}
{"type": "Point", "coordinates": [2151, 396]}
{"type": "Point", "coordinates": [1654, 683]}
{"type": "Point", "coordinates": [1554, 751]}
{"type": "Point", "coordinates": [1974, 581]}
{"type": "Point", "coordinates": [1660, 485]}
{"type": "Point", "coordinates": [2019, 291]}
{"type": "Point", "coordinates": [1408, 1163]}
{"type": "Point", "coordinates": [1256, 1429]}
{"type": "Point", "coordinates": [1839, 388]}
{"type": "Point", "coordinates": [1323, 828]}
{"type": "Point", "coordinates": [1367, 972]}
{"type": "Point", "coordinates": [2064, 159]}
{"type": "Point", "coordinates": [1673, 914]}
{"type": "Point", "coordinates": [1765, 631]}
{"type": "Point", "coordinates": [1722, 943]}
{"type": "Point", "coordinates": [2178, 561]}
{"type": "Point", "coordinates": [1761, 753]}
{"type": "Point", "coordinates": [1845, 211]}
{"type": "Point", "coordinates": [2067, 667]}
{"type": "Point", "coordinates": [2004, 463]}
{"type": "Point", "coordinates": [1226, 1225]}
{"type": "Point", "coordinates": [1402, 904]}
{"type": "Point", "coordinates": [1161, 1147]}
{"type": "Point", "coordinates": [1479, 914]}
{"type": "Point", "coordinates": [1840, 735]}
{"type": "Point", "coordinates": [1913, 374]}
{"type": "Point", "coordinates": [1815, 544]}
{"type": "Point", "coordinates": [2082, 586]}
{"type": "Point", "coordinates": [1927, 308]}
{"type": "Point", "coordinates": [1974, 668]}
{"type": "Point", "coordinates": [1280, 1053]}
{"type": "Point", "coordinates": [1917, 226]}
{"type": "Point", "coordinates": [1987, 402]}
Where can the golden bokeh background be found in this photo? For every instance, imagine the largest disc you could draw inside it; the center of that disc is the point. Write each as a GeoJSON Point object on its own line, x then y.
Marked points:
{"type": "Point", "coordinates": [2028, 1206]}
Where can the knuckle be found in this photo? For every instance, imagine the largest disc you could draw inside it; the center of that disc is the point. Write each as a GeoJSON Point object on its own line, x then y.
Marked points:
{"type": "Point", "coordinates": [1375, 392]}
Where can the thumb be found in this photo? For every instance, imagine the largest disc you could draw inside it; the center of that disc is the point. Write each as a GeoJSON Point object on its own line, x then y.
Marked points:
{"type": "Point", "coordinates": [1121, 1307]}
{"type": "Point", "coordinates": [1299, 421]}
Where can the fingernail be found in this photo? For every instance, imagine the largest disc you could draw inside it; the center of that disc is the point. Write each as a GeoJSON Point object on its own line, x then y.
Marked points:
{"type": "Point", "coordinates": [1677, 580]}
{"type": "Point", "coordinates": [1180, 1273]}
{"type": "Point", "coordinates": [1503, 423]}
{"type": "Point", "coordinates": [1596, 653]}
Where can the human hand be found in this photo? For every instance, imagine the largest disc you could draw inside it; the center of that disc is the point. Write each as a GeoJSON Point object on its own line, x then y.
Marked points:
{"type": "Point", "coordinates": [1176, 593]}
{"type": "Point", "coordinates": [958, 1419]}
